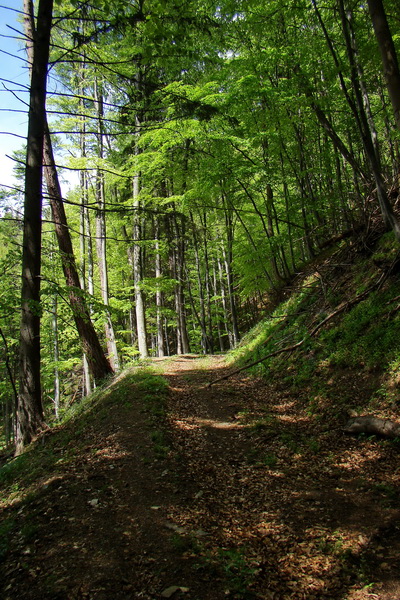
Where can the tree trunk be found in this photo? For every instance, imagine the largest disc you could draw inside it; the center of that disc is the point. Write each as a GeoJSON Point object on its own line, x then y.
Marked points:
{"type": "Point", "coordinates": [202, 318]}
{"type": "Point", "coordinates": [56, 358]}
{"type": "Point", "coordinates": [159, 295]}
{"type": "Point", "coordinates": [388, 215]}
{"type": "Point", "coordinates": [137, 273]}
{"type": "Point", "coordinates": [179, 255]}
{"type": "Point", "coordinates": [30, 409]}
{"type": "Point", "coordinates": [388, 53]}
{"type": "Point", "coordinates": [371, 425]}
{"type": "Point", "coordinates": [101, 237]}
{"type": "Point", "coordinates": [98, 363]}
{"type": "Point", "coordinates": [83, 231]}
{"type": "Point", "coordinates": [228, 259]}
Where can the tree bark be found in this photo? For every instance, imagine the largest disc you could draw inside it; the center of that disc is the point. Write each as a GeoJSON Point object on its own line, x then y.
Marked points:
{"type": "Point", "coordinates": [388, 215]}
{"type": "Point", "coordinates": [101, 236]}
{"type": "Point", "coordinates": [97, 361]}
{"type": "Point", "coordinates": [159, 294]}
{"type": "Point", "coordinates": [30, 409]}
{"type": "Point", "coordinates": [136, 259]}
{"type": "Point", "coordinates": [373, 426]}
{"type": "Point", "coordinates": [388, 53]}
{"type": "Point", "coordinates": [86, 257]}
{"type": "Point", "coordinates": [183, 345]}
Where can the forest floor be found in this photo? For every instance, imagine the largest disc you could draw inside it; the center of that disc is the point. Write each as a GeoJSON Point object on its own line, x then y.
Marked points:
{"type": "Point", "coordinates": [229, 491]}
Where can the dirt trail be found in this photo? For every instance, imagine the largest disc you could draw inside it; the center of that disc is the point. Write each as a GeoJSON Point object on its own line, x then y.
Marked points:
{"type": "Point", "coordinates": [252, 498]}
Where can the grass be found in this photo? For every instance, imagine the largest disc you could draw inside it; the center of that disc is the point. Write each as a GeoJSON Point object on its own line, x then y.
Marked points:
{"type": "Point", "coordinates": [367, 336]}
{"type": "Point", "coordinates": [239, 575]}
{"type": "Point", "coordinates": [20, 478]}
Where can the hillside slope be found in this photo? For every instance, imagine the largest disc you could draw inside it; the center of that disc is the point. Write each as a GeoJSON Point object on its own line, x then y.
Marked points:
{"type": "Point", "coordinates": [162, 486]}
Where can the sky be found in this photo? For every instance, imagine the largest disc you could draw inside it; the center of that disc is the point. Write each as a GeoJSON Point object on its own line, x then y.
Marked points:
{"type": "Point", "coordinates": [13, 69]}
{"type": "Point", "coordinates": [13, 96]}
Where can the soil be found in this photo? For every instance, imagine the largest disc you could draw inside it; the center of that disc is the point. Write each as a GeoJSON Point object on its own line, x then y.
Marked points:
{"type": "Point", "coordinates": [239, 490]}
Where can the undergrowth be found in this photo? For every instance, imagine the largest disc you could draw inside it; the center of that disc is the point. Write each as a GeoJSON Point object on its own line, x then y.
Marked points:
{"type": "Point", "coordinates": [366, 336]}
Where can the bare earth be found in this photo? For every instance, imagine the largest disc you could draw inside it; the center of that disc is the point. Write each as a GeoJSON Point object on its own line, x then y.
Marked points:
{"type": "Point", "coordinates": [243, 494]}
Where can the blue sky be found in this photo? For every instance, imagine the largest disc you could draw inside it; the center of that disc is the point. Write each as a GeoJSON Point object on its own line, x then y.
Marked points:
{"type": "Point", "coordinates": [13, 68]}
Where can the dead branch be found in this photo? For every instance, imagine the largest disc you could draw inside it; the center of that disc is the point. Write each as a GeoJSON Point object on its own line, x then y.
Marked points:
{"type": "Point", "coordinates": [341, 308]}
{"type": "Point", "coordinates": [373, 426]}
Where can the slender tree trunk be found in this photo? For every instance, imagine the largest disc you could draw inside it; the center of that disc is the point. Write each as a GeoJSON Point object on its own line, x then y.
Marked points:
{"type": "Point", "coordinates": [228, 259]}
{"type": "Point", "coordinates": [11, 405]}
{"type": "Point", "coordinates": [388, 215]}
{"type": "Point", "coordinates": [217, 306]}
{"type": "Point", "coordinates": [30, 410]}
{"type": "Point", "coordinates": [159, 295]}
{"type": "Point", "coordinates": [137, 273]}
{"type": "Point", "coordinates": [202, 318]}
{"type": "Point", "coordinates": [98, 363]}
{"type": "Point", "coordinates": [207, 286]}
{"type": "Point", "coordinates": [388, 54]}
{"type": "Point", "coordinates": [101, 236]}
{"type": "Point", "coordinates": [56, 358]}
{"type": "Point", "coordinates": [183, 346]}
{"type": "Point", "coordinates": [226, 319]}
{"type": "Point", "coordinates": [85, 227]}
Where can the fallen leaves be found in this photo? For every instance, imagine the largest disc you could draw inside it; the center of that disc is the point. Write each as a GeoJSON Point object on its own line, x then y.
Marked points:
{"type": "Point", "coordinates": [275, 507]}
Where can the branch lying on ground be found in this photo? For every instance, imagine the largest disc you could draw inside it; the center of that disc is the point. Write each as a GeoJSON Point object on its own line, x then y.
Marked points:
{"type": "Point", "coordinates": [373, 426]}
{"type": "Point", "coordinates": [341, 308]}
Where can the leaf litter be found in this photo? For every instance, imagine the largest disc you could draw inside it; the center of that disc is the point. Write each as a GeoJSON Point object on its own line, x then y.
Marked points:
{"type": "Point", "coordinates": [251, 498]}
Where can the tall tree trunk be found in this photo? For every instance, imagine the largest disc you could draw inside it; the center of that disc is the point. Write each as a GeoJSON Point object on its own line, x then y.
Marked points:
{"type": "Point", "coordinates": [228, 259]}
{"type": "Point", "coordinates": [101, 235]}
{"type": "Point", "coordinates": [207, 285]}
{"type": "Point", "coordinates": [136, 254]}
{"type": "Point", "coordinates": [159, 295]}
{"type": "Point", "coordinates": [30, 409]}
{"type": "Point", "coordinates": [56, 357]}
{"type": "Point", "coordinates": [202, 317]}
{"type": "Point", "coordinates": [183, 345]}
{"type": "Point", "coordinates": [85, 230]}
{"type": "Point", "coordinates": [226, 319]}
{"type": "Point", "coordinates": [388, 54]}
{"type": "Point", "coordinates": [388, 215]}
{"type": "Point", "coordinates": [98, 363]}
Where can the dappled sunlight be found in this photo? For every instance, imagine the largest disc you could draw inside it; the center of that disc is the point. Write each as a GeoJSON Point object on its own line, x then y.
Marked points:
{"type": "Point", "coordinates": [197, 422]}
{"type": "Point", "coordinates": [355, 461]}
{"type": "Point", "coordinates": [249, 492]}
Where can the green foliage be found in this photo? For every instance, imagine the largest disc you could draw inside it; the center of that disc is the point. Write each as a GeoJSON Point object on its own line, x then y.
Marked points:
{"type": "Point", "coordinates": [241, 181]}
{"type": "Point", "coordinates": [364, 335]}
{"type": "Point", "coordinates": [238, 573]}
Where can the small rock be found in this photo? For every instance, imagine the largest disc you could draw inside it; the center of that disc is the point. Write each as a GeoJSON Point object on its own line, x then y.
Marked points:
{"type": "Point", "coordinates": [175, 527]}
{"type": "Point", "coordinates": [170, 591]}
{"type": "Point", "coordinates": [94, 502]}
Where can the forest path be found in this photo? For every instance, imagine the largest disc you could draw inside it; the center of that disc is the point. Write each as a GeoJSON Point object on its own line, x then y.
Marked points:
{"type": "Point", "coordinates": [233, 491]}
